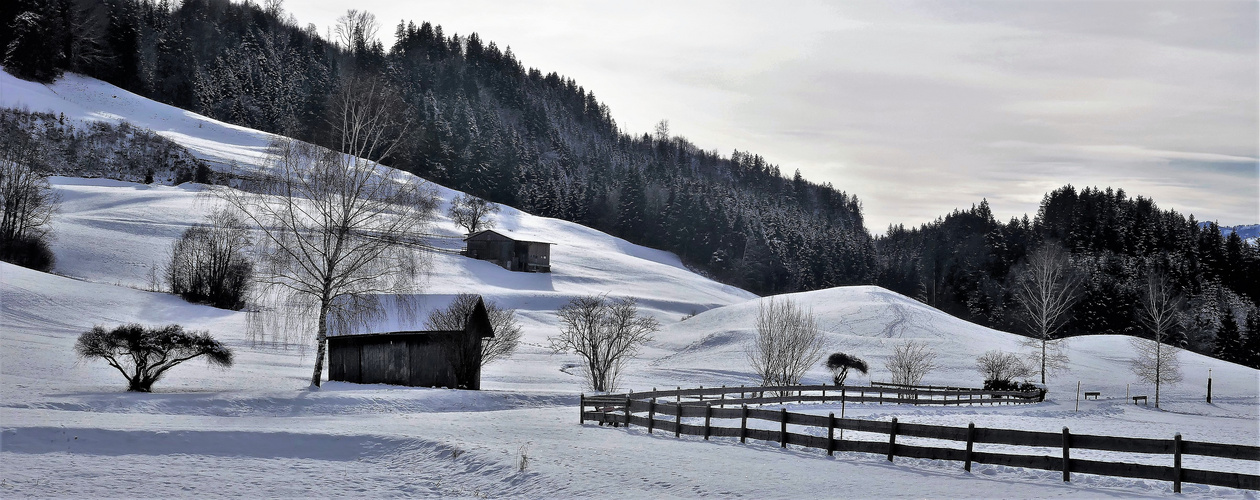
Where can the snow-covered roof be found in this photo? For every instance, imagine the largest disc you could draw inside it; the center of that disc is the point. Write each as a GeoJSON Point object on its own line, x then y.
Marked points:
{"type": "Point", "coordinates": [512, 235]}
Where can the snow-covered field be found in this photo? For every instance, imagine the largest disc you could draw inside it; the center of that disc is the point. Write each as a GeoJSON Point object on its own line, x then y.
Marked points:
{"type": "Point", "coordinates": [68, 429]}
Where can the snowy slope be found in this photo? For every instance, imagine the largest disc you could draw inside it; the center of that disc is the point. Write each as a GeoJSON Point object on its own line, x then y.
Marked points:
{"type": "Point", "coordinates": [68, 429]}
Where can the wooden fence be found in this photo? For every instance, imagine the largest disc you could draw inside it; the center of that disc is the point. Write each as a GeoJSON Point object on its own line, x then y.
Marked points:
{"type": "Point", "coordinates": [624, 409]}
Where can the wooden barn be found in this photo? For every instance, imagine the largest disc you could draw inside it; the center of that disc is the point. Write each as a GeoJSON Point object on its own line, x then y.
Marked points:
{"type": "Point", "coordinates": [417, 358]}
{"type": "Point", "coordinates": [513, 254]}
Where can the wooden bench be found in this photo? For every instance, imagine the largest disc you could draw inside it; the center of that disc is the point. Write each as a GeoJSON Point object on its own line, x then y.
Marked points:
{"type": "Point", "coordinates": [1095, 394]}
{"type": "Point", "coordinates": [1136, 398]}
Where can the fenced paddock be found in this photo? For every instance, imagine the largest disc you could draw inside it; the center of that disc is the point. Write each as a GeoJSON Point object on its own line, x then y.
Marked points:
{"type": "Point", "coordinates": [665, 411]}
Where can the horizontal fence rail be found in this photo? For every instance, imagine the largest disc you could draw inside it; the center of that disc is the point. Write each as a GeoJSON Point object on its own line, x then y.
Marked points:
{"type": "Point", "coordinates": [644, 409]}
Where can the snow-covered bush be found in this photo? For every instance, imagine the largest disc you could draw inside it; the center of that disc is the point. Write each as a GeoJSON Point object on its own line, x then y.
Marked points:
{"type": "Point", "coordinates": [143, 355]}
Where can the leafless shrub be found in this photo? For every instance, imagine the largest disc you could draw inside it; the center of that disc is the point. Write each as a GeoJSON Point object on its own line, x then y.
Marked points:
{"type": "Point", "coordinates": [208, 262]}
{"type": "Point", "coordinates": [787, 344]}
{"type": "Point", "coordinates": [605, 333]}
{"type": "Point", "coordinates": [1002, 366]}
{"type": "Point", "coordinates": [910, 362]}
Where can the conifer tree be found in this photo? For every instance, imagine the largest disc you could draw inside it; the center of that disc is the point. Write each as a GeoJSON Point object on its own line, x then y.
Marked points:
{"type": "Point", "coordinates": [1229, 342]}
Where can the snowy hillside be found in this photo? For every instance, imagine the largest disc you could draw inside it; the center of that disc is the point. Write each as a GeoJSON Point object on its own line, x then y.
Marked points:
{"type": "Point", "coordinates": [67, 428]}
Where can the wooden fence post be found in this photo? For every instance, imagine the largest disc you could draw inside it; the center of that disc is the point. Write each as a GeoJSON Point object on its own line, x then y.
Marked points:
{"type": "Point", "coordinates": [783, 428]}
{"type": "Point", "coordinates": [1067, 465]}
{"type": "Point", "coordinates": [708, 415]}
{"type": "Point", "coordinates": [627, 411]}
{"type": "Point", "coordinates": [651, 415]}
{"type": "Point", "coordinates": [582, 409]}
{"type": "Point", "coordinates": [971, 438]}
{"type": "Point", "coordinates": [743, 426]}
{"type": "Point", "coordinates": [831, 434]}
{"type": "Point", "coordinates": [892, 439]}
{"type": "Point", "coordinates": [678, 421]}
{"type": "Point", "coordinates": [1177, 462]}
{"type": "Point", "coordinates": [842, 394]}
{"type": "Point", "coordinates": [722, 403]}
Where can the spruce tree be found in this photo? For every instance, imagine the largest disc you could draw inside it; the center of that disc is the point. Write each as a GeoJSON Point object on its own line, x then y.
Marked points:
{"type": "Point", "coordinates": [34, 50]}
{"type": "Point", "coordinates": [1229, 343]}
{"type": "Point", "coordinates": [1250, 353]}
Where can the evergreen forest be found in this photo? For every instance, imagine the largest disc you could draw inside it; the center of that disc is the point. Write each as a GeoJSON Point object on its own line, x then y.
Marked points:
{"type": "Point", "coordinates": [479, 120]}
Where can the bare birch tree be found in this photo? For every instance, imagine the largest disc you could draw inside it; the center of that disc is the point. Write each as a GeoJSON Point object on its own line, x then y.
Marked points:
{"type": "Point", "coordinates": [787, 344]}
{"type": "Point", "coordinates": [337, 231]}
{"type": "Point", "coordinates": [1159, 313]}
{"type": "Point", "coordinates": [605, 333]}
{"type": "Point", "coordinates": [1045, 293]}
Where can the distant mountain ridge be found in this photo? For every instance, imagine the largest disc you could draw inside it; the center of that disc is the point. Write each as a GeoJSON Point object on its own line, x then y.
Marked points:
{"type": "Point", "coordinates": [1248, 232]}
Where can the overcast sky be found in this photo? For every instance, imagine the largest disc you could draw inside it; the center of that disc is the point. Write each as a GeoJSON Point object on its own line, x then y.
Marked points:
{"type": "Point", "coordinates": [916, 107]}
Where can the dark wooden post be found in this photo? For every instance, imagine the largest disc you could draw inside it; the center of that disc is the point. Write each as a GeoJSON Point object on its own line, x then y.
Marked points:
{"type": "Point", "coordinates": [743, 426]}
{"type": "Point", "coordinates": [582, 408]}
{"type": "Point", "coordinates": [741, 391]}
{"type": "Point", "coordinates": [824, 393]}
{"type": "Point", "coordinates": [678, 421]}
{"type": "Point", "coordinates": [708, 416]}
{"type": "Point", "coordinates": [1209, 398]}
{"type": "Point", "coordinates": [783, 428]}
{"type": "Point", "coordinates": [971, 438]}
{"type": "Point", "coordinates": [651, 415]}
{"type": "Point", "coordinates": [1067, 465]}
{"type": "Point", "coordinates": [678, 417]}
{"type": "Point", "coordinates": [722, 400]}
{"type": "Point", "coordinates": [892, 439]}
{"type": "Point", "coordinates": [831, 434]}
{"type": "Point", "coordinates": [1177, 462]}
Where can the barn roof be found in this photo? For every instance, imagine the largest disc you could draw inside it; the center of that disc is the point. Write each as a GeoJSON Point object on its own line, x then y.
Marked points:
{"type": "Point", "coordinates": [478, 322]}
{"type": "Point", "coordinates": [520, 236]}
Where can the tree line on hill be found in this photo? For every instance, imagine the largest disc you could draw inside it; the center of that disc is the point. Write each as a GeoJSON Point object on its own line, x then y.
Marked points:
{"type": "Point", "coordinates": [474, 118]}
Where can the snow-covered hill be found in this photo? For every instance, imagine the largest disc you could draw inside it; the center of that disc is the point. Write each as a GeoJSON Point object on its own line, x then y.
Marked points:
{"type": "Point", "coordinates": [68, 429]}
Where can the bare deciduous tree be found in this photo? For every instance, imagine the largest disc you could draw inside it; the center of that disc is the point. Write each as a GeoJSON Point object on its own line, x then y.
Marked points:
{"type": "Point", "coordinates": [27, 203]}
{"type": "Point", "coordinates": [910, 362]}
{"type": "Point", "coordinates": [472, 213]}
{"type": "Point", "coordinates": [507, 331]}
{"type": "Point", "coordinates": [1045, 293]}
{"type": "Point", "coordinates": [788, 342]}
{"type": "Point", "coordinates": [1159, 312]}
{"type": "Point", "coordinates": [356, 27]}
{"type": "Point", "coordinates": [1002, 366]}
{"type": "Point", "coordinates": [605, 333]}
{"type": "Point", "coordinates": [337, 230]}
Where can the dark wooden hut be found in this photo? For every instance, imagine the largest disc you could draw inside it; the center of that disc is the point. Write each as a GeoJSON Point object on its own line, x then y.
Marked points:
{"type": "Point", "coordinates": [509, 253]}
{"type": "Point", "coordinates": [416, 358]}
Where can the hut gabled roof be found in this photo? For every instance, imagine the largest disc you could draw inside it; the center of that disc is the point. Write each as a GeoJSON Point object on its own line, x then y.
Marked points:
{"type": "Point", "coordinates": [511, 235]}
